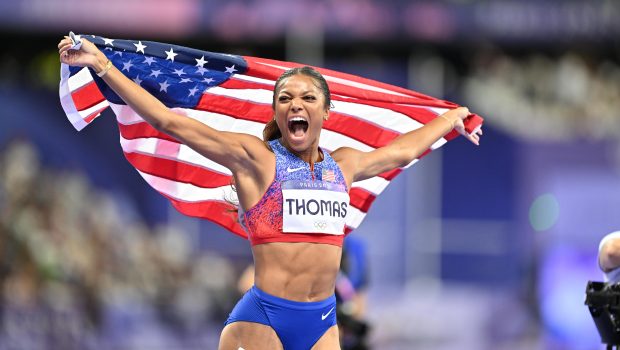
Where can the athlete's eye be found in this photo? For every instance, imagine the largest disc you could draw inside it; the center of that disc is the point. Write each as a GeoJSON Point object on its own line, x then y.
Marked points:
{"type": "Point", "coordinates": [309, 98]}
{"type": "Point", "coordinates": [283, 98]}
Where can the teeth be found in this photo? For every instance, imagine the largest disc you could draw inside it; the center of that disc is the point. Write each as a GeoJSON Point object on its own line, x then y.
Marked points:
{"type": "Point", "coordinates": [298, 119]}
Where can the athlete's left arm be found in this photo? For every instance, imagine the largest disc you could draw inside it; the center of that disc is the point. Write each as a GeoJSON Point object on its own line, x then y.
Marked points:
{"type": "Point", "coordinates": [357, 165]}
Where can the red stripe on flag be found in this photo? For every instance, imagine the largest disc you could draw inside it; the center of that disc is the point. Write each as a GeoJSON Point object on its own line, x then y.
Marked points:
{"type": "Point", "coordinates": [361, 199]}
{"type": "Point", "coordinates": [389, 175]}
{"type": "Point", "coordinates": [419, 113]}
{"type": "Point", "coordinates": [142, 130]}
{"type": "Point", "coordinates": [221, 213]}
{"type": "Point", "coordinates": [238, 83]}
{"type": "Point", "coordinates": [236, 108]}
{"type": "Point", "coordinates": [94, 115]}
{"type": "Point", "coordinates": [362, 94]}
{"type": "Point", "coordinates": [86, 96]}
{"type": "Point", "coordinates": [177, 171]}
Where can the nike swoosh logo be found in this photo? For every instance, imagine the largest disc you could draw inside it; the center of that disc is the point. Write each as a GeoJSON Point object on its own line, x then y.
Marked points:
{"type": "Point", "coordinates": [324, 316]}
{"type": "Point", "coordinates": [292, 170]}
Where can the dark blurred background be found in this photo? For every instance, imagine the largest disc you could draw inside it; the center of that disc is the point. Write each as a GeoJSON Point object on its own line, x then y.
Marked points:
{"type": "Point", "coordinates": [484, 247]}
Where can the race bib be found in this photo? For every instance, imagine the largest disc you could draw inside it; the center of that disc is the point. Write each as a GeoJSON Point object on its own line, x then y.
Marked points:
{"type": "Point", "coordinates": [314, 207]}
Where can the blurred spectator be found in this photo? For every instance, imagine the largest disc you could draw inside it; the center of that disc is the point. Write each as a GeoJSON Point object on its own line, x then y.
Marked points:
{"type": "Point", "coordinates": [547, 98]}
{"type": "Point", "coordinates": [76, 273]}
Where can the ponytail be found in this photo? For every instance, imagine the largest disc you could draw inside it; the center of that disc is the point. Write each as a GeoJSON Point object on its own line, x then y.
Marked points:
{"type": "Point", "coordinates": [271, 131]}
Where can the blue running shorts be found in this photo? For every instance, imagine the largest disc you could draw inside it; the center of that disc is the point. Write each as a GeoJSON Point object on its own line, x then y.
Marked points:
{"type": "Point", "coordinates": [299, 325]}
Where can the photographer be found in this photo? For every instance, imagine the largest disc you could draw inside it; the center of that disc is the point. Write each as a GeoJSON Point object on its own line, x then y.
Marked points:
{"type": "Point", "coordinates": [603, 298]}
{"type": "Point", "coordinates": [609, 257]}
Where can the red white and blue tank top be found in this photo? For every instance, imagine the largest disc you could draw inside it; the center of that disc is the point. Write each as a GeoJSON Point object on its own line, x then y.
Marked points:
{"type": "Point", "coordinates": [300, 205]}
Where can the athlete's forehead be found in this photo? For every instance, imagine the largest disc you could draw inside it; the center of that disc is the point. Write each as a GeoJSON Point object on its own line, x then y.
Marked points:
{"type": "Point", "coordinates": [298, 83]}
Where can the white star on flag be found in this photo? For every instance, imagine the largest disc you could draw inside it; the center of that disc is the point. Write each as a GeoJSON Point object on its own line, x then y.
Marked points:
{"type": "Point", "coordinates": [201, 62]}
{"type": "Point", "coordinates": [127, 66]}
{"type": "Point", "coordinates": [140, 47]}
{"type": "Point", "coordinates": [137, 80]}
{"type": "Point", "coordinates": [155, 73]}
{"type": "Point", "coordinates": [108, 41]}
{"type": "Point", "coordinates": [231, 70]}
{"type": "Point", "coordinates": [201, 70]}
{"type": "Point", "coordinates": [193, 91]}
{"type": "Point", "coordinates": [185, 80]}
{"type": "Point", "coordinates": [208, 80]}
{"type": "Point", "coordinates": [170, 55]}
{"type": "Point", "coordinates": [164, 86]}
{"type": "Point", "coordinates": [149, 60]}
{"type": "Point", "coordinates": [179, 72]}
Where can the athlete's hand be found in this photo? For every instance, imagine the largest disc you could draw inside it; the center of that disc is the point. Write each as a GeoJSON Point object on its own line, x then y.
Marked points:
{"type": "Point", "coordinates": [87, 56]}
{"type": "Point", "coordinates": [457, 116]}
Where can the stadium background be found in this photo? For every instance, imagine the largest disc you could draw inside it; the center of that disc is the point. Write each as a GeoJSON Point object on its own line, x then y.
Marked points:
{"type": "Point", "coordinates": [474, 247]}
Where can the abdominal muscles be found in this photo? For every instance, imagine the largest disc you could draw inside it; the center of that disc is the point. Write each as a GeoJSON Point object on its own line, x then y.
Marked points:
{"type": "Point", "coordinates": [303, 272]}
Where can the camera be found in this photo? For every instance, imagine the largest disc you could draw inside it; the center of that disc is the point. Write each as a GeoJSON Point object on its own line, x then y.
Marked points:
{"type": "Point", "coordinates": [603, 301]}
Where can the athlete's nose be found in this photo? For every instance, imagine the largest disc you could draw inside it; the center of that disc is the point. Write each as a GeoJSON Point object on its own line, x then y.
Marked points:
{"type": "Point", "coordinates": [296, 105]}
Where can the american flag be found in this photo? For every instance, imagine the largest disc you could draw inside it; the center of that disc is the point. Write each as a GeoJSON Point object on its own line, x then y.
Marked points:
{"type": "Point", "coordinates": [234, 93]}
{"type": "Point", "coordinates": [328, 175]}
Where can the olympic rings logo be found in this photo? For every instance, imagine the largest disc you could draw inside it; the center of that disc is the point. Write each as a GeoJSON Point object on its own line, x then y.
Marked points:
{"type": "Point", "coordinates": [320, 225]}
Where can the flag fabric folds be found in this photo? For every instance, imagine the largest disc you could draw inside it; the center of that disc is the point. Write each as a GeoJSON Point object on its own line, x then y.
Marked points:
{"type": "Point", "coordinates": [234, 93]}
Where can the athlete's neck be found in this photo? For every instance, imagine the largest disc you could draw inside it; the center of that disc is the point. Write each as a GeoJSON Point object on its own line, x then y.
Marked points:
{"type": "Point", "coordinates": [311, 155]}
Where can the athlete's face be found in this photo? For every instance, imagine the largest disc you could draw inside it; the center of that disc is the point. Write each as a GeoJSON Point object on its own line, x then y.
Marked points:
{"type": "Point", "coordinates": [299, 111]}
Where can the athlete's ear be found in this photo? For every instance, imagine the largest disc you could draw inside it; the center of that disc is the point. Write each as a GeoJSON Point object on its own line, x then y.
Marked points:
{"type": "Point", "coordinates": [326, 116]}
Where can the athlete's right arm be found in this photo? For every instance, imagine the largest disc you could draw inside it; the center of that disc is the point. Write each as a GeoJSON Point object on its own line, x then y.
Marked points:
{"type": "Point", "coordinates": [236, 151]}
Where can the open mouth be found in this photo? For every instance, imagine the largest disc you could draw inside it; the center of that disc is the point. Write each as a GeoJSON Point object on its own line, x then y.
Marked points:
{"type": "Point", "coordinates": [298, 126]}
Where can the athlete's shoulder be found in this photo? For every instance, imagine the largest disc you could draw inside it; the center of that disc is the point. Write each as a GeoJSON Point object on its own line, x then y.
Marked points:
{"type": "Point", "coordinates": [347, 157]}
{"type": "Point", "coordinates": [343, 153]}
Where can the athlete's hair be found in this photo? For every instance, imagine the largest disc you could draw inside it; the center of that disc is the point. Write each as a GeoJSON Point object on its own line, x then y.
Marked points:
{"type": "Point", "coordinates": [271, 131]}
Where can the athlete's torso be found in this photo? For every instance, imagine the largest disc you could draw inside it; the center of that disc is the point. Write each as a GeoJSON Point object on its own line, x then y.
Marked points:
{"type": "Point", "coordinates": [301, 204]}
{"type": "Point", "coordinates": [294, 265]}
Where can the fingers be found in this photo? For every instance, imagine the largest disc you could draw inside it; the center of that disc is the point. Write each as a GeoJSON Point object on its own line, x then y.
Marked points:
{"type": "Point", "coordinates": [63, 48]}
{"type": "Point", "coordinates": [64, 45]}
{"type": "Point", "coordinates": [64, 42]}
{"type": "Point", "coordinates": [63, 51]}
{"type": "Point", "coordinates": [67, 41]}
{"type": "Point", "coordinates": [474, 139]}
